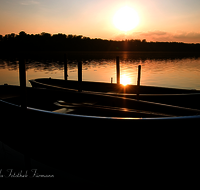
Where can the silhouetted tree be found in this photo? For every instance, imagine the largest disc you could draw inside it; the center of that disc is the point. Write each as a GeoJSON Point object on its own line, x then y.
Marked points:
{"type": "Point", "coordinates": [70, 36]}
{"type": "Point", "coordinates": [62, 42]}
{"type": "Point", "coordinates": [144, 41]}
{"type": "Point", "coordinates": [59, 36]}
{"type": "Point", "coordinates": [45, 35]}
{"type": "Point", "coordinates": [22, 33]}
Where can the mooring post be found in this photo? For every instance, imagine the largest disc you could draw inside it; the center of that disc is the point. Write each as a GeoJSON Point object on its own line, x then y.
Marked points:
{"type": "Point", "coordinates": [118, 70]}
{"type": "Point", "coordinates": [22, 79]}
{"type": "Point", "coordinates": [138, 81]}
{"type": "Point", "coordinates": [80, 76]}
{"type": "Point", "coordinates": [65, 66]}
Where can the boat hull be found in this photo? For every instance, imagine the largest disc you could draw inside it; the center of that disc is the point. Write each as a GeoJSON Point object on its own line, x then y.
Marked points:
{"type": "Point", "coordinates": [102, 149]}
{"type": "Point", "coordinates": [172, 96]}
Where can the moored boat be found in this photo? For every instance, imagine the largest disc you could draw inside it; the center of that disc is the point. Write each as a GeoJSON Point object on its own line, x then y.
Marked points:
{"type": "Point", "coordinates": [88, 134]}
{"type": "Point", "coordinates": [172, 96]}
{"type": "Point", "coordinates": [94, 105]}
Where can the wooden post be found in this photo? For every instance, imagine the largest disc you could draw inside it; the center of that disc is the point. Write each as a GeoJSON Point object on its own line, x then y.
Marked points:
{"type": "Point", "coordinates": [80, 76]}
{"type": "Point", "coordinates": [138, 81]}
{"type": "Point", "coordinates": [65, 67]}
{"type": "Point", "coordinates": [118, 70]}
{"type": "Point", "coordinates": [22, 79]}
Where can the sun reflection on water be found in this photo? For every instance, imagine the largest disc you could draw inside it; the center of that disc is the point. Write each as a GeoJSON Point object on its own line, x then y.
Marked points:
{"type": "Point", "coordinates": [124, 80]}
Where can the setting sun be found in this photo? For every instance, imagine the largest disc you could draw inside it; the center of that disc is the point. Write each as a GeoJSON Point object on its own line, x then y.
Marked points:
{"type": "Point", "coordinates": [126, 19]}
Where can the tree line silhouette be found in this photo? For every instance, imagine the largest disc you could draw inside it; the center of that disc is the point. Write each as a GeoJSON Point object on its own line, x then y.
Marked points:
{"type": "Point", "coordinates": [62, 42]}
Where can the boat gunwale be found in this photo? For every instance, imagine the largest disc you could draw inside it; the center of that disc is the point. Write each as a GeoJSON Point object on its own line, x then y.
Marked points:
{"type": "Point", "coordinates": [108, 95]}
{"type": "Point", "coordinates": [101, 117]}
{"type": "Point", "coordinates": [196, 93]}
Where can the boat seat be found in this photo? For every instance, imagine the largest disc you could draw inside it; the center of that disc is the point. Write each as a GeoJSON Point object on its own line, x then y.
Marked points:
{"type": "Point", "coordinates": [63, 110]}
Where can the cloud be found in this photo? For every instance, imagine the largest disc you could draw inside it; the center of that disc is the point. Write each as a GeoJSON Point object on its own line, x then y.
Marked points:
{"type": "Point", "coordinates": [188, 36]}
{"type": "Point", "coordinates": [30, 2]}
{"type": "Point", "coordinates": [163, 36]}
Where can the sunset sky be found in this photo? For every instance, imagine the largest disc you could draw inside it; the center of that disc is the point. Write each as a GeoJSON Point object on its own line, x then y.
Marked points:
{"type": "Point", "coordinates": [157, 20]}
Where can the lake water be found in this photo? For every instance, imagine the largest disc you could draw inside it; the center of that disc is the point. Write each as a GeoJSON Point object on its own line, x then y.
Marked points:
{"type": "Point", "coordinates": [176, 72]}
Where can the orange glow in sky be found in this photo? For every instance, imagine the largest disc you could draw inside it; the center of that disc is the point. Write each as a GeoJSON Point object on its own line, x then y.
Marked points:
{"type": "Point", "coordinates": [153, 20]}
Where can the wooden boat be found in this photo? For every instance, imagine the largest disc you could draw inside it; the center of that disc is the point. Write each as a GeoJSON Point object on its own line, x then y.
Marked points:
{"type": "Point", "coordinates": [86, 134]}
{"type": "Point", "coordinates": [172, 96]}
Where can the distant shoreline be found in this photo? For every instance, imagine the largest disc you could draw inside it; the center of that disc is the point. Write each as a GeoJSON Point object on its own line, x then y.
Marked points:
{"type": "Point", "coordinates": [59, 55]}
{"type": "Point", "coordinates": [69, 43]}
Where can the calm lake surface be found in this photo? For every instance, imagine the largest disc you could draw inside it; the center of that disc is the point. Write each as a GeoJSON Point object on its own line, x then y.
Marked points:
{"type": "Point", "coordinates": [166, 72]}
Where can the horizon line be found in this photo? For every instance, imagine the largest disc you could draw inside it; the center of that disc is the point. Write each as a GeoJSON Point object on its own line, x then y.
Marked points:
{"type": "Point", "coordinates": [125, 39]}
